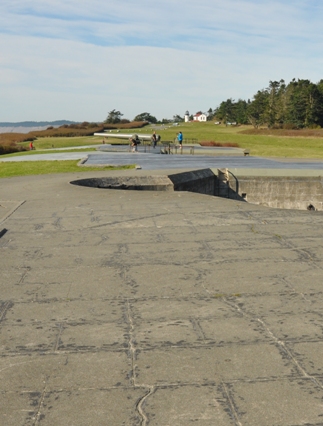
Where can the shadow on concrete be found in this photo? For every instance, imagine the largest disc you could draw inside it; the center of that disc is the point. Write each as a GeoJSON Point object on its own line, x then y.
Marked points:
{"type": "Point", "coordinates": [203, 181]}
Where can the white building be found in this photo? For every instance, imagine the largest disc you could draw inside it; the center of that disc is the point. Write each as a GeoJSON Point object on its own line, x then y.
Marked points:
{"type": "Point", "coordinates": [187, 117]}
{"type": "Point", "coordinates": [199, 116]}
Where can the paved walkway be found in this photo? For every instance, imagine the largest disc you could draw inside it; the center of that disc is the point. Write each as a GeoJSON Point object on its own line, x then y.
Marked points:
{"type": "Point", "coordinates": [238, 164]}
{"type": "Point", "coordinates": [156, 308]}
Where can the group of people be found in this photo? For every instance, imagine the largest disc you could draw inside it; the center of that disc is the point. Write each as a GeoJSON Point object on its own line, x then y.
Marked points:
{"type": "Point", "coordinates": [135, 141]}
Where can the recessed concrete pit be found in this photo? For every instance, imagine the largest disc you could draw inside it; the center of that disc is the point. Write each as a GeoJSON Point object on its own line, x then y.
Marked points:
{"type": "Point", "coordinates": [140, 183]}
{"type": "Point", "coordinates": [275, 192]}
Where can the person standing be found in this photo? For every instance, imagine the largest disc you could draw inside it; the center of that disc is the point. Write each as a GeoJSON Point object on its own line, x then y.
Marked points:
{"type": "Point", "coordinates": [154, 139]}
{"type": "Point", "coordinates": [134, 143]}
{"type": "Point", "coordinates": [180, 139]}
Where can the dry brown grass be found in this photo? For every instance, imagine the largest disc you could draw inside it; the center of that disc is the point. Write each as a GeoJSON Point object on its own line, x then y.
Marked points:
{"type": "Point", "coordinates": [10, 147]}
{"type": "Point", "coordinates": [84, 129]}
{"type": "Point", "coordinates": [7, 138]}
{"type": "Point", "coordinates": [223, 144]}
{"type": "Point", "coordinates": [9, 141]}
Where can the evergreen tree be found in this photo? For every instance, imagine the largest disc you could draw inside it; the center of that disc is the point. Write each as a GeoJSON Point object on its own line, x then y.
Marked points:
{"type": "Point", "coordinates": [113, 117]}
{"type": "Point", "coordinates": [145, 116]}
{"type": "Point", "coordinates": [257, 108]}
{"type": "Point", "coordinates": [226, 111]}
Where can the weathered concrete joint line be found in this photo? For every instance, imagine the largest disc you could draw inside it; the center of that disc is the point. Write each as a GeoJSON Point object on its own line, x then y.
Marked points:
{"type": "Point", "coordinates": [117, 222]}
{"type": "Point", "coordinates": [132, 349]}
{"type": "Point", "coordinates": [61, 328]}
{"type": "Point", "coordinates": [41, 403]}
{"type": "Point", "coordinates": [22, 278]}
{"type": "Point", "coordinates": [20, 203]}
{"type": "Point", "coordinates": [231, 404]}
{"type": "Point", "coordinates": [289, 354]}
{"type": "Point", "coordinates": [281, 344]}
{"type": "Point", "coordinates": [144, 418]}
{"type": "Point", "coordinates": [4, 309]}
{"type": "Point", "coordinates": [196, 326]}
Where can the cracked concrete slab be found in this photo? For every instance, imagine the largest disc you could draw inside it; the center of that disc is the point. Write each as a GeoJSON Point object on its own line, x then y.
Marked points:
{"type": "Point", "coordinates": [157, 308]}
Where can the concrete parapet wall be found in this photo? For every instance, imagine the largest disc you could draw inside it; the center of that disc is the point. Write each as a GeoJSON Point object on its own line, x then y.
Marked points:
{"type": "Point", "coordinates": [278, 192]}
{"type": "Point", "coordinates": [287, 192]}
{"type": "Point", "coordinates": [201, 181]}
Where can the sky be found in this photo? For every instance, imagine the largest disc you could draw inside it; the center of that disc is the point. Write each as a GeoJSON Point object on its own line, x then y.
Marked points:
{"type": "Point", "coordinates": [78, 60]}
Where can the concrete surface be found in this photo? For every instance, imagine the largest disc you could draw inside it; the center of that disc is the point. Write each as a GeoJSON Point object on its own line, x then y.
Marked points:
{"type": "Point", "coordinates": [156, 308]}
{"type": "Point", "coordinates": [238, 164]}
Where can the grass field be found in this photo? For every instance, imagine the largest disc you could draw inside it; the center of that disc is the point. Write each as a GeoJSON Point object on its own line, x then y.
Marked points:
{"type": "Point", "coordinates": [62, 142]}
{"type": "Point", "coordinates": [259, 145]}
{"type": "Point", "coordinates": [271, 144]}
{"type": "Point", "coordinates": [266, 145]}
{"type": "Point", "coordinates": [26, 168]}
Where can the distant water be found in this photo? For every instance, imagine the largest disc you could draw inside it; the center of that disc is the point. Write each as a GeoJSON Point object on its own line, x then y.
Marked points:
{"type": "Point", "coordinates": [20, 129]}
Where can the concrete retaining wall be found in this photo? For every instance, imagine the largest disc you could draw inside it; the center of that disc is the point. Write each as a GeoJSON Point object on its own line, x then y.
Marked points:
{"type": "Point", "coordinates": [279, 192]}
{"type": "Point", "coordinates": [299, 193]}
{"type": "Point", "coordinates": [201, 181]}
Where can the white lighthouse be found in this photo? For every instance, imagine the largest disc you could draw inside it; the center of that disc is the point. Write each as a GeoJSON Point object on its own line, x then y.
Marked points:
{"type": "Point", "coordinates": [187, 117]}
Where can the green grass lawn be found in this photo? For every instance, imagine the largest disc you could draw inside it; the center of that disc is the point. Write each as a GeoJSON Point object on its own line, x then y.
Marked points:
{"type": "Point", "coordinates": [45, 151]}
{"type": "Point", "coordinates": [24, 168]}
{"type": "Point", "coordinates": [259, 145]}
{"type": "Point", "coordinates": [63, 142]}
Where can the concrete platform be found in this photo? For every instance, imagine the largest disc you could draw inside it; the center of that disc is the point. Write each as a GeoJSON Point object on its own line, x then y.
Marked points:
{"type": "Point", "coordinates": [156, 308]}
{"type": "Point", "coordinates": [237, 164]}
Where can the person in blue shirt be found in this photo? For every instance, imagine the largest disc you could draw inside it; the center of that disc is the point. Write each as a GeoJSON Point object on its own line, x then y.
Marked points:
{"type": "Point", "coordinates": [180, 139]}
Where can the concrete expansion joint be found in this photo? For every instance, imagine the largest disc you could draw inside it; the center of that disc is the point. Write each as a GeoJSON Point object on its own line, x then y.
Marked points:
{"type": "Point", "coordinates": [23, 276]}
{"type": "Point", "coordinates": [290, 355]}
{"type": "Point", "coordinates": [279, 343]}
{"type": "Point", "coordinates": [58, 339]}
{"type": "Point", "coordinates": [131, 346]}
{"type": "Point", "coordinates": [196, 326]}
{"type": "Point", "coordinates": [10, 212]}
{"type": "Point", "coordinates": [5, 308]}
{"type": "Point", "coordinates": [144, 418]}
{"type": "Point", "coordinates": [132, 350]}
{"type": "Point", "coordinates": [37, 416]}
{"type": "Point", "coordinates": [231, 405]}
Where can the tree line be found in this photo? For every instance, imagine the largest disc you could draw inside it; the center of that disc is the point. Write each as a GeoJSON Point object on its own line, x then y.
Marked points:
{"type": "Point", "coordinates": [115, 117]}
{"type": "Point", "coordinates": [295, 105]}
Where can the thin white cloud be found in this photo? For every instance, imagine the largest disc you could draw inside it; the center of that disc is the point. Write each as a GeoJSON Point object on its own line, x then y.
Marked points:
{"type": "Point", "coordinates": [66, 59]}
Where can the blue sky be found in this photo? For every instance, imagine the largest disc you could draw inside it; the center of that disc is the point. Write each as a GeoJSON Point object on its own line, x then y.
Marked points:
{"type": "Point", "coordinates": [79, 60]}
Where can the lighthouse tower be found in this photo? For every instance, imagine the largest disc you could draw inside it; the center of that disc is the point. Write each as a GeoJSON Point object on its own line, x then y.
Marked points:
{"type": "Point", "coordinates": [187, 117]}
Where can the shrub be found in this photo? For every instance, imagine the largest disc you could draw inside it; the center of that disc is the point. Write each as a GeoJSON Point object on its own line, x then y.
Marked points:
{"type": "Point", "coordinates": [289, 126]}
{"type": "Point", "coordinates": [219, 144]}
{"type": "Point", "coordinates": [7, 138]}
{"type": "Point", "coordinates": [10, 147]}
